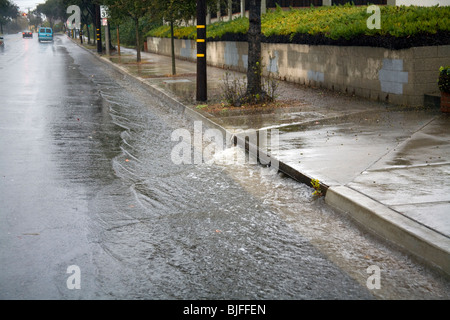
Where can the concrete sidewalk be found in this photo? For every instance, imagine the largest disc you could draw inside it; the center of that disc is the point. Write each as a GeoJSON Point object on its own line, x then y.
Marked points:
{"type": "Point", "coordinates": [388, 167]}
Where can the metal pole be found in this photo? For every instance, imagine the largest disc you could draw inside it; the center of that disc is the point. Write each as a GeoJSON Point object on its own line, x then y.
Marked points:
{"type": "Point", "coordinates": [201, 50]}
{"type": "Point", "coordinates": [99, 28]}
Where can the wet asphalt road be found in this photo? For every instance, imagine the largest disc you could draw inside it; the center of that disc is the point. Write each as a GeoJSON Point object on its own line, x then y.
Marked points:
{"type": "Point", "coordinates": [86, 179]}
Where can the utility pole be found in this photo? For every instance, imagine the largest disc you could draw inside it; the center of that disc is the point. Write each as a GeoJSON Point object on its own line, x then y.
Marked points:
{"type": "Point", "coordinates": [201, 50]}
{"type": "Point", "coordinates": [99, 28]}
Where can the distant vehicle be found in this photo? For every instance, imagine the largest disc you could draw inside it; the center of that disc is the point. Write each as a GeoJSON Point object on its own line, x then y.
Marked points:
{"type": "Point", "coordinates": [45, 34]}
{"type": "Point", "coordinates": [2, 43]}
{"type": "Point", "coordinates": [27, 34]}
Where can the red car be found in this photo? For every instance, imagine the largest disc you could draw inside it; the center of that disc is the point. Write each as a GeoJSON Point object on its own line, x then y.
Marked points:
{"type": "Point", "coordinates": [27, 34]}
{"type": "Point", "coordinates": [1, 42]}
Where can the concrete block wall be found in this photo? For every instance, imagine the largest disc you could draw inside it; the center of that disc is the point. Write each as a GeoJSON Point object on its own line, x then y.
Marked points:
{"type": "Point", "coordinates": [395, 76]}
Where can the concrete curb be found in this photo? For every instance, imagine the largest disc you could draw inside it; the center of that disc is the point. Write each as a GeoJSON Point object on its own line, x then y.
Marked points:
{"type": "Point", "coordinates": [429, 246]}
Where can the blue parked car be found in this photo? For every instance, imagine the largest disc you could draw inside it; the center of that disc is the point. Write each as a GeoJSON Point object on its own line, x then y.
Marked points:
{"type": "Point", "coordinates": [45, 34]}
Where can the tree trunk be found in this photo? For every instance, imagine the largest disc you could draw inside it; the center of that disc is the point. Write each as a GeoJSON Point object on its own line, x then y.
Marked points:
{"type": "Point", "coordinates": [81, 33]}
{"type": "Point", "coordinates": [263, 6]}
{"type": "Point", "coordinates": [218, 10]}
{"type": "Point", "coordinates": [118, 41]}
{"type": "Point", "coordinates": [172, 44]}
{"type": "Point", "coordinates": [109, 37]}
{"type": "Point", "coordinates": [91, 13]}
{"type": "Point", "coordinates": [138, 42]}
{"type": "Point", "coordinates": [88, 34]}
{"type": "Point", "coordinates": [254, 49]}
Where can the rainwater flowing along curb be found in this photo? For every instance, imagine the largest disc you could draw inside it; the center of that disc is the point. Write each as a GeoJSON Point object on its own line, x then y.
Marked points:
{"type": "Point", "coordinates": [430, 247]}
{"type": "Point", "coordinates": [238, 140]}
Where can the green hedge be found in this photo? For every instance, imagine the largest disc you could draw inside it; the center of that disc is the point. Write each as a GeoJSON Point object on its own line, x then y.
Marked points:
{"type": "Point", "coordinates": [350, 21]}
{"type": "Point", "coordinates": [335, 22]}
{"type": "Point", "coordinates": [213, 31]}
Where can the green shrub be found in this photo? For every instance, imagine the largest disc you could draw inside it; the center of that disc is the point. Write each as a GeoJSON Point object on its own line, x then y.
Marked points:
{"type": "Point", "coordinates": [213, 31]}
{"type": "Point", "coordinates": [350, 21]}
{"type": "Point", "coordinates": [333, 22]}
{"type": "Point", "coordinates": [444, 79]}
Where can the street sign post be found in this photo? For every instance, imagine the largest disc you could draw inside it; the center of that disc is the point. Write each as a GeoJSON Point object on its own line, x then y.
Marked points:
{"type": "Point", "coordinates": [104, 16]}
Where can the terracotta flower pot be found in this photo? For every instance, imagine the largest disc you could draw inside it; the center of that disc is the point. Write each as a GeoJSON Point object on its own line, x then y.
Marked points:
{"type": "Point", "coordinates": [445, 102]}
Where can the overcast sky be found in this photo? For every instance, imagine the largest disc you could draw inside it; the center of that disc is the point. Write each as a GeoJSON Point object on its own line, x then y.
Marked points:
{"type": "Point", "coordinates": [25, 4]}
